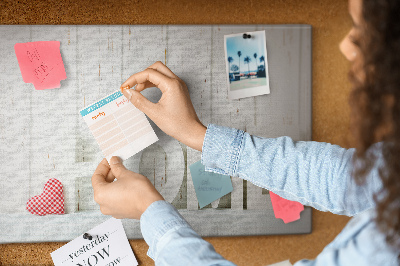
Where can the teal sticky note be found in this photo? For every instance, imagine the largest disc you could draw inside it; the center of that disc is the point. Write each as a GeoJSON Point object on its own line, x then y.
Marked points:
{"type": "Point", "coordinates": [209, 186]}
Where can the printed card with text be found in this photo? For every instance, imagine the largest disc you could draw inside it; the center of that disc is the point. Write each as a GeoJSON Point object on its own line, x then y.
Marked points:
{"type": "Point", "coordinates": [108, 246]}
{"type": "Point", "coordinates": [118, 126]}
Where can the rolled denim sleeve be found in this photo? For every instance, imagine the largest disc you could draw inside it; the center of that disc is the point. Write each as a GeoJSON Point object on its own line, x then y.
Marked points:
{"type": "Point", "coordinates": [172, 241]}
{"type": "Point", "coordinates": [313, 173]}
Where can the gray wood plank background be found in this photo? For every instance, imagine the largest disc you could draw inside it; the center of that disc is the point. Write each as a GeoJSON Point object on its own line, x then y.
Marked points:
{"type": "Point", "coordinates": [42, 135]}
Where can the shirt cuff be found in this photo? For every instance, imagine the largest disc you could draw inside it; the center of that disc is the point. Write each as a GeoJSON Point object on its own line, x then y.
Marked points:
{"type": "Point", "coordinates": [222, 147]}
{"type": "Point", "coordinates": [159, 218]}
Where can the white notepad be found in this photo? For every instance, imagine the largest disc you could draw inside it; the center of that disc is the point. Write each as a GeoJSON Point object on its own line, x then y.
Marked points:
{"type": "Point", "coordinates": [118, 126]}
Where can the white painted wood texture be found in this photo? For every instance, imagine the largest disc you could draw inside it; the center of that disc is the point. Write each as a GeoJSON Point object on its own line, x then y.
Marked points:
{"type": "Point", "coordinates": [42, 135]}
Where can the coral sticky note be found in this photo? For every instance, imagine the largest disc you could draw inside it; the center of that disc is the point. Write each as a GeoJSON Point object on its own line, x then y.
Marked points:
{"type": "Point", "coordinates": [284, 209]}
{"type": "Point", "coordinates": [41, 63]}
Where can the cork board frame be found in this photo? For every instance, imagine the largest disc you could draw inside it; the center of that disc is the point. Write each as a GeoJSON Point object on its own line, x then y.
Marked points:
{"type": "Point", "coordinates": [331, 112]}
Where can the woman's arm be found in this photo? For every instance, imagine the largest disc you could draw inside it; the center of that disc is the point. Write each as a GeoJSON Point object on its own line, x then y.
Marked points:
{"type": "Point", "coordinates": [312, 173]}
{"type": "Point", "coordinates": [172, 241]}
{"type": "Point", "coordinates": [315, 174]}
{"type": "Point", "coordinates": [170, 238]}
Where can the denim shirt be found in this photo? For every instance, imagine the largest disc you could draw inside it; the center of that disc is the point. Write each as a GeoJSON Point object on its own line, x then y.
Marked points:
{"type": "Point", "coordinates": [312, 173]}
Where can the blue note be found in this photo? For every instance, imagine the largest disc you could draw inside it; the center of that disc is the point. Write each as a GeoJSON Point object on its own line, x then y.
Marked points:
{"type": "Point", "coordinates": [209, 186]}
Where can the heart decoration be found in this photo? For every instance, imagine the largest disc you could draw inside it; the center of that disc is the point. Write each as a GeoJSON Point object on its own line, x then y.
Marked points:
{"type": "Point", "coordinates": [51, 201]}
{"type": "Point", "coordinates": [287, 210]}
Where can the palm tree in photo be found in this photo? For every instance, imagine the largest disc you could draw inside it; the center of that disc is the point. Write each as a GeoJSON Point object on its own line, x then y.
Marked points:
{"type": "Point", "coordinates": [262, 59]}
{"type": "Point", "coordinates": [247, 60]}
{"type": "Point", "coordinates": [255, 57]}
{"type": "Point", "coordinates": [239, 54]}
{"type": "Point", "coordinates": [230, 60]}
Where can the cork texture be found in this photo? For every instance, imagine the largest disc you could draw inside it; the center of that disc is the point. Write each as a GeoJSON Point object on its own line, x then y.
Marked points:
{"type": "Point", "coordinates": [330, 22]}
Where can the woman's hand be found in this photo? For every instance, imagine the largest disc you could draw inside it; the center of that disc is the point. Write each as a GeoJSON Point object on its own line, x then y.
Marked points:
{"type": "Point", "coordinates": [128, 196]}
{"type": "Point", "coordinates": [174, 113]}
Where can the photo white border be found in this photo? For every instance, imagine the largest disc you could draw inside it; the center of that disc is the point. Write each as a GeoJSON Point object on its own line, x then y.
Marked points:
{"type": "Point", "coordinates": [247, 92]}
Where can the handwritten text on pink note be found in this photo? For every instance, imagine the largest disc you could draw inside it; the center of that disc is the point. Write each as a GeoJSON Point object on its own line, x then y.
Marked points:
{"type": "Point", "coordinates": [284, 209]}
{"type": "Point", "coordinates": [41, 63]}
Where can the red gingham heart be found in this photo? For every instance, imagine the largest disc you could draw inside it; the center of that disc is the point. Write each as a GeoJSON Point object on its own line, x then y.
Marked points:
{"type": "Point", "coordinates": [51, 201]}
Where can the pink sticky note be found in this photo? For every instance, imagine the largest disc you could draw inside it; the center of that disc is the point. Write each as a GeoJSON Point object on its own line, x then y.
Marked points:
{"type": "Point", "coordinates": [41, 63]}
{"type": "Point", "coordinates": [284, 209]}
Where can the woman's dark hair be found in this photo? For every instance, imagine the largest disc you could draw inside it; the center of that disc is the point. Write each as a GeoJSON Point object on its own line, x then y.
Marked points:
{"type": "Point", "coordinates": [375, 103]}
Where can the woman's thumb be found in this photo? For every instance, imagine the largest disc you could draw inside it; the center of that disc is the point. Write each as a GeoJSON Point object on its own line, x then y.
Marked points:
{"type": "Point", "coordinates": [117, 167]}
{"type": "Point", "coordinates": [138, 100]}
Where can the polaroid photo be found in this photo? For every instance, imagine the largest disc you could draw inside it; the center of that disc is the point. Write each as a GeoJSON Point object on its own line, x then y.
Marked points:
{"type": "Point", "coordinates": [246, 64]}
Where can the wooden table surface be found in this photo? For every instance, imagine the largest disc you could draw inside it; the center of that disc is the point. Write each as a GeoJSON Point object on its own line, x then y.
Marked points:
{"type": "Point", "coordinates": [330, 22]}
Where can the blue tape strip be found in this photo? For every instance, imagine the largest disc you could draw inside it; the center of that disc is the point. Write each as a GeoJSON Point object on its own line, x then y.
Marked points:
{"type": "Point", "coordinates": [101, 103]}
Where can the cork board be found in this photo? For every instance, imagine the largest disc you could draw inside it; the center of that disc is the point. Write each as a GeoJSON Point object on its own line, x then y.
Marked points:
{"type": "Point", "coordinates": [330, 91]}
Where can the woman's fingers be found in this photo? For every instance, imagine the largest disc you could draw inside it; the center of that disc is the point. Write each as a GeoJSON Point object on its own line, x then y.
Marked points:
{"type": "Point", "coordinates": [160, 67]}
{"type": "Point", "coordinates": [110, 177]}
{"type": "Point", "coordinates": [146, 79]}
{"type": "Point", "coordinates": [159, 80]}
{"type": "Point", "coordinates": [142, 86]}
{"type": "Point", "coordinates": [141, 103]}
{"type": "Point", "coordinates": [100, 174]}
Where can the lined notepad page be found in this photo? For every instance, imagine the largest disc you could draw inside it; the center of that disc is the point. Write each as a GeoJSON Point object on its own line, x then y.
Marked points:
{"type": "Point", "coordinates": [118, 126]}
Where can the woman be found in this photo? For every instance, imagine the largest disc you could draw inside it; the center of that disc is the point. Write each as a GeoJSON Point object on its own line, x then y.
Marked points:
{"type": "Point", "coordinates": [363, 183]}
